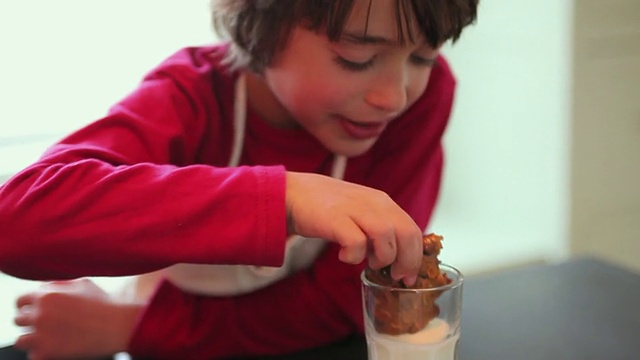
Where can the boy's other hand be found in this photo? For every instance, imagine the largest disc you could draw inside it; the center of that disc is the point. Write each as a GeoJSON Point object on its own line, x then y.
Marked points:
{"type": "Point", "coordinates": [73, 319]}
{"type": "Point", "coordinates": [364, 221]}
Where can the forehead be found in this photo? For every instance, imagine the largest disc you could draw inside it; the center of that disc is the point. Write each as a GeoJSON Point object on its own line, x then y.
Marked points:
{"type": "Point", "coordinates": [389, 19]}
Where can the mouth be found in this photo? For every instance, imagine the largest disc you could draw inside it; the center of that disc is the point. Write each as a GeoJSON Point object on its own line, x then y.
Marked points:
{"type": "Point", "coordinates": [361, 130]}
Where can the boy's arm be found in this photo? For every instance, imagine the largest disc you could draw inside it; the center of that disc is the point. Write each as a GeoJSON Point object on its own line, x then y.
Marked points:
{"type": "Point", "coordinates": [120, 197]}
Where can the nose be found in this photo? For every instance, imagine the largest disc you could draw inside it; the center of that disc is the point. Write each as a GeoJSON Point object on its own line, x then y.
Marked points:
{"type": "Point", "coordinates": [389, 92]}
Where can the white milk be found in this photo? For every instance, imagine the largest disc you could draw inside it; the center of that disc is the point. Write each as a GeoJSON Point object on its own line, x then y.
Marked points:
{"type": "Point", "coordinates": [431, 343]}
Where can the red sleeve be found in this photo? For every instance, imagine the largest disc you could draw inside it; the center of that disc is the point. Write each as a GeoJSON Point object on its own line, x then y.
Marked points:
{"type": "Point", "coordinates": [312, 308]}
{"type": "Point", "coordinates": [123, 196]}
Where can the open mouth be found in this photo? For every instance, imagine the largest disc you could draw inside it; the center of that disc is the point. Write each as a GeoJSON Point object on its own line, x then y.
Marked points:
{"type": "Point", "coordinates": [361, 130]}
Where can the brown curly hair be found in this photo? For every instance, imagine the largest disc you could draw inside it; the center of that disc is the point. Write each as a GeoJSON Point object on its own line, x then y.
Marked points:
{"type": "Point", "coordinates": [259, 28]}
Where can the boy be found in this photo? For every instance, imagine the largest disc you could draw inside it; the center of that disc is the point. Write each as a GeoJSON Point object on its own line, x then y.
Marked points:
{"type": "Point", "coordinates": [320, 120]}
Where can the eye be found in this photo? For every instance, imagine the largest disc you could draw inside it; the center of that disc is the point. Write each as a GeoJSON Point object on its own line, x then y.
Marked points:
{"type": "Point", "coordinates": [353, 65]}
{"type": "Point", "coordinates": [422, 61]}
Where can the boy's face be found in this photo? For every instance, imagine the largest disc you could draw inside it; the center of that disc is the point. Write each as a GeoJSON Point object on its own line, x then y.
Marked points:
{"type": "Point", "coordinates": [346, 92]}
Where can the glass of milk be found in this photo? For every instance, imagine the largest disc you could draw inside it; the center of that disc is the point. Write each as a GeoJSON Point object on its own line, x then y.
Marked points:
{"type": "Point", "coordinates": [436, 340]}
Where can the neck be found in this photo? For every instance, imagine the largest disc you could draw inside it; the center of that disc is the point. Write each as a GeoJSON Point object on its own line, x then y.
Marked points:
{"type": "Point", "coordinates": [264, 103]}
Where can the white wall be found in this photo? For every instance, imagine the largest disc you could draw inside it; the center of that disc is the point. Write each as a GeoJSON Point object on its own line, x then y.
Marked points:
{"type": "Point", "coordinates": [505, 197]}
{"type": "Point", "coordinates": [606, 126]}
{"type": "Point", "coordinates": [63, 63]}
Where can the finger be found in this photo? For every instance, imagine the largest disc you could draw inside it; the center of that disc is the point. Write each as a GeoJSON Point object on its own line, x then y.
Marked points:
{"type": "Point", "coordinates": [380, 232]}
{"type": "Point", "coordinates": [384, 249]}
{"type": "Point", "coordinates": [354, 253]}
{"type": "Point", "coordinates": [410, 280]}
{"type": "Point", "coordinates": [29, 343]}
{"type": "Point", "coordinates": [353, 240]}
{"type": "Point", "coordinates": [26, 299]}
{"type": "Point", "coordinates": [408, 238]}
{"type": "Point", "coordinates": [25, 342]}
{"type": "Point", "coordinates": [409, 256]}
{"type": "Point", "coordinates": [25, 316]}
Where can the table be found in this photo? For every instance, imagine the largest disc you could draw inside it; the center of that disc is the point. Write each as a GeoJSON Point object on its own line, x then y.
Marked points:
{"type": "Point", "coordinates": [582, 309]}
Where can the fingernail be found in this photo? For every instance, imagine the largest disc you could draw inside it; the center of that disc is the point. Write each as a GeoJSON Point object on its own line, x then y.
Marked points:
{"type": "Point", "coordinates": [410, 280]}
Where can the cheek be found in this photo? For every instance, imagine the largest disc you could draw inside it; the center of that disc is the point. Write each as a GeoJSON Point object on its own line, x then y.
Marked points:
{"type": "Point", "coordinates": [304, 81]}
{"type": "Point", "coordinates": [417, 85]}
{"type": "Point", "coordinates": [332, 89]}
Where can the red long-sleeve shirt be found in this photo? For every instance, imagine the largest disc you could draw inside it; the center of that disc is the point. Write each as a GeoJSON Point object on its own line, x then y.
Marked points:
{"type": "Point", "coordinates": [147, 186]}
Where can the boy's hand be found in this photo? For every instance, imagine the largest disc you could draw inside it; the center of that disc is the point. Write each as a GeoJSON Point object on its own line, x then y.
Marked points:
{"type": "Point", "coordinates": [363, 220]}
{"type": "Point", "coordinates": [73, 319]}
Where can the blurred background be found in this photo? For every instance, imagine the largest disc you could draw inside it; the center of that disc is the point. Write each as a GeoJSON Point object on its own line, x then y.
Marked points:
{"type": "Point", "coordinates": [542, 154]}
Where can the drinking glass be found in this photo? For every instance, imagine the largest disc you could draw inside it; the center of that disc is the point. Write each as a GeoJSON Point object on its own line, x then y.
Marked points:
{"type": "Point", "coordinates": [429, 329]}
